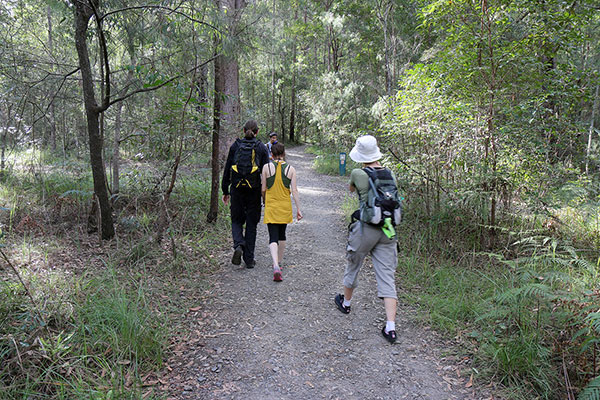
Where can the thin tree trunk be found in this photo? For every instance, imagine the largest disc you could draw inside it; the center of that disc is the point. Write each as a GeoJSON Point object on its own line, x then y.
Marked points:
{"type": "Point", "coordinates": [591, 131]}
{"type": "Point", "coordinates": [52, 138]}
{"type": "Point", "coordinates": [5, 137]}
{"type": "Point", "coordinates": [281, 109]}
{"type": "Point", "coordinates": [293, 91]}
{"type": "Point", "coordinates": [116, 150]}
{"type": "Point", "coordinates": [273, 72]}
{"type": "Point", "coordinates": [83, 12]}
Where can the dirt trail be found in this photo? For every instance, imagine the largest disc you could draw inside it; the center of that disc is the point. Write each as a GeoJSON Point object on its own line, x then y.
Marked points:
{"type": "Point", "coordinates": [257, 339]}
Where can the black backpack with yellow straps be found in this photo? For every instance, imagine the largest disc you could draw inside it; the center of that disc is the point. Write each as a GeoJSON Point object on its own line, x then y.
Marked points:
{"type": "Point", "coordinates": [245, 172]}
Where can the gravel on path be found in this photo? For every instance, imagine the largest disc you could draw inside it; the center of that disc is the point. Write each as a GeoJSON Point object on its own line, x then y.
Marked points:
{"type": "Point", "coordinates": [259, 339]}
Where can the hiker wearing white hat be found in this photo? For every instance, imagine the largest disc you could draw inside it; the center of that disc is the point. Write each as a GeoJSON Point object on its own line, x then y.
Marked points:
{"type": "Point", "coordinates": [365, 151]}
{"type": "Point", "coordinates": [366, 238]}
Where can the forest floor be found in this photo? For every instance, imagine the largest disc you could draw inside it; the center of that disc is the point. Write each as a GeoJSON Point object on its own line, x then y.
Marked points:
{"type": "Point", "coordinates": [257, 339]}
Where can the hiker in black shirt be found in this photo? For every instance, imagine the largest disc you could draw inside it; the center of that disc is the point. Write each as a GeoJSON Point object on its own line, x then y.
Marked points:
{"type": "Point", "coordinates": [242, 172]}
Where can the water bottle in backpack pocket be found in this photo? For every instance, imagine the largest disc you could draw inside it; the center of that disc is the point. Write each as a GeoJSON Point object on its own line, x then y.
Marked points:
{"type": "Point", "coordinates": [382, 199]}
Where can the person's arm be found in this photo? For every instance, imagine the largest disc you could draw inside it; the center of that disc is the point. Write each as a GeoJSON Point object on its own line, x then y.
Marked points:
{"type": "Point", "coordinates": [263, 180]}
{"type": "Point", "coordinates": [351, 185]}
{"type": "Point", "coordinates": [295, 193]}
{"type": "Point", "coordinates": [226, 181]}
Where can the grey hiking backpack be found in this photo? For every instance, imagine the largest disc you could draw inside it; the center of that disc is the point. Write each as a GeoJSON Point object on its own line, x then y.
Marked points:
{"type": "Point", "coordinates": [382, 199]}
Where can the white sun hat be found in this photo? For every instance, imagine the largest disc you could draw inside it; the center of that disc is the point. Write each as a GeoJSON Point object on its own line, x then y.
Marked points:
{"type": "Point", "coordinates": [365, 150]}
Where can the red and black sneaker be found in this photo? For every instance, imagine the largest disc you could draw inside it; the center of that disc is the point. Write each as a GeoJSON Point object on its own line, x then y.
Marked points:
{"type": "Point", "coordinates": [277, 276]}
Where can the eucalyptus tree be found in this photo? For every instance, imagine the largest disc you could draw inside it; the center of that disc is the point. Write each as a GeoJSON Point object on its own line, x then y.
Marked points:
{"type": "Point", "coordinates": [83, 13]}
{"type": "Point", "coordinates": [227, 104]}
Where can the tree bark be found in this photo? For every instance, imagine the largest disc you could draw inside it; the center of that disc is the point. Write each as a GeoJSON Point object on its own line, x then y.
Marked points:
{"type": "Point", "coordinates": [229, 69]}
{"type": "Point", "coordinates": [383, 10]}
{"type": "Point", "coordinates": [293, 92]}
{"type": "Point", "coordinates": [52, 138]}
{"type": "Point", "coordinates": [230, 117]}
{"type": "Point", "coordinates": [591, 131]}
{"type": "Point", "coordinates": [116, 150]}
{"type": "Point", "coordinates": [273, 73]}
{"type": "Point", "coordinates": [215, 164]}
{"type": "Point", "coordinates": [83, 11]}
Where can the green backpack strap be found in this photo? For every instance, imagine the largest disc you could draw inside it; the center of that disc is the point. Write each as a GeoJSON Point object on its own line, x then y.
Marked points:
{"type": "Point", "coordinates": [271, 179]}
{"type": "Point", "coordinates": [285, 179]}
{"type": "Point", "coordinates": [285, 169]}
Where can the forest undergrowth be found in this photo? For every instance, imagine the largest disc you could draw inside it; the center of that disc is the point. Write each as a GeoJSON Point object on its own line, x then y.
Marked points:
{"type": "Point", "coordinates": [524, 309]}
{"type": "Point", "coordinates": [84, 319]}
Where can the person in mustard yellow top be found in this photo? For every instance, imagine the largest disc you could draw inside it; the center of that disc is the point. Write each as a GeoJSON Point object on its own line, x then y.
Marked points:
{"type": "Point", "coordinates": [278, 181]}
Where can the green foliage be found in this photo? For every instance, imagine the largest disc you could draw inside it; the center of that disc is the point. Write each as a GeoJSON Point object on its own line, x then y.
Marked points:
{"type": "Point", "coordinates": [328, 161]}
{"type": "Point", "coordinates": [333, 110]}
{"type": "Point", "coordinates": [89, 328]}
{"type": "Point", "coordinates": [349, 205]}
{"type": "Point", "coordinates": [591, 391]}
{"type": "Point", "coordinates": [517, 310]}
{"type": "Point", "coordinates": [113, 321]}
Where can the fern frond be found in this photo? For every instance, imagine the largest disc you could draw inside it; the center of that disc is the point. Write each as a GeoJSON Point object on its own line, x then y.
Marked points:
{"type": "Point", "coordinates": [531, 290]}
{"type": "Point", "coordinates": [591, 391]}
{"type": "Point", "coordinates": [594, 320]}
{"type": "Point", "coordinates": [557, 277]}
{"type": "Point", "coordinates": [496, 313]}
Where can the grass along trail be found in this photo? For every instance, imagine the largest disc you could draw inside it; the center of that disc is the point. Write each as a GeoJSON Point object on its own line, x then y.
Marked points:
{"type": "Point", "coordinates": [258, 339]}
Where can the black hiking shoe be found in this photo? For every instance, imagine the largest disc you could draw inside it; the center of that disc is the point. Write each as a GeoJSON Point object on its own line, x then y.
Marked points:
{"type": "Point", "coordinates": [237, 256]}
{"type": "Point", "coordinates": [251, 264]}
{"type": "Point", "coordinates": [389, 336]}
{"type": "Point", "coordinates": [339, 302]}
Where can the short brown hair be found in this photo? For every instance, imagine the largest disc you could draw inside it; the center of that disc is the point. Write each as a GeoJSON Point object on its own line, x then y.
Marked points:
{"type": "Point", "coordinates": [277, 149]}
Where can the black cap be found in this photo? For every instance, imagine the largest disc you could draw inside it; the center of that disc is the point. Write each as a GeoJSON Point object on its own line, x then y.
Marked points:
{"type": "Point", "coordinates": [272, 134]}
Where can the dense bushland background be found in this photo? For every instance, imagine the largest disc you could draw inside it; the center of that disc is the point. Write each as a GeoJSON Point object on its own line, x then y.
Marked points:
{"type": "Point", "coordinates": [115, 118]}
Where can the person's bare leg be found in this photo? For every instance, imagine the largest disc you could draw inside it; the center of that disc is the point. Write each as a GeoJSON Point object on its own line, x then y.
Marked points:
{"type": "Point", "coordinates": [273, 247]}
{"type": "Point", "coordinates": [280, 250]}
{"type": "Point", "coordinates": [348, 293]}
{"type": "Point", "coordinates": [390, 305]}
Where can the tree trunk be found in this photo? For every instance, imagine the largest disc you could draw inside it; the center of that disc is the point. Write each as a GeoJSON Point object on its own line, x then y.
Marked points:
{"type": "Point", "coordinates": [230, 117]}
{"type": "Point", "coordinates": [83, 12]}
{"type": "Point", "coordinates": [273, 74]}
{"type": "Point", "coordinates": [202, 88]}
{"type": "Point", "coordinates": [293, 92]}
{"type": "Point", "coordinates": [52, 138]}
{"type": "Point", "coordinates": [591, 131]}
{"type": "Point", "coordinates": [215, 165]}
{"type": "Point", "coordinates": [116, 149]}
{"type": "Point", "coordinates": [281, 109]}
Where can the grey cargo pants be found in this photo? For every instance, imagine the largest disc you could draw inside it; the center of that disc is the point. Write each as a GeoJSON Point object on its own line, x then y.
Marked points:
{"type": "Point", "coordinates": [366, 239]}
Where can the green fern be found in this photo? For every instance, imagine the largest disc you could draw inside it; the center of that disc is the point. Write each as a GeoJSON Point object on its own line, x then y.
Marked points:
{"type": "Point", "coordinates": [591, 391]}
{"type": "Point", "coordinates": [594, 320]}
